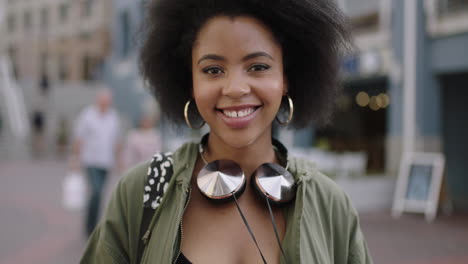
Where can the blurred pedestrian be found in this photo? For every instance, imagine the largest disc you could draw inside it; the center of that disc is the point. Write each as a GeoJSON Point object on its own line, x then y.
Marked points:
{"type": "Point", "coordinates": [62, 137]}
{"type": "Point", "coordinates": [38, 127]}
{"type": "Point", "coordinates": [142, 142]}
{"type": "Point", "coordinates": [38, 117]}
{"type": "Point", "coordinates": [97, 149]}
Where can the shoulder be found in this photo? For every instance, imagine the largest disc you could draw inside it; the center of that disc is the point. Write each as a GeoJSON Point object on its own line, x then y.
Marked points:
{"type": "Point", "coordinates": [322, 200]}
{"type": "Point", "coordinates": [132, 183]}
{"type": "Point", "coordinates": [319, 188]}
{"type": "Point", "coordinates": [141, 173]}
{"type": "Point", "coordinates": [306, 172]}
{"type": "Point", "coordinates": [90, 110]}
{"type": "Point", "coordinates": [132, 135]}
{"type": "Point", "coordinates": [86, 112]}
{"type": "Point", "coordinates": [113, 112]}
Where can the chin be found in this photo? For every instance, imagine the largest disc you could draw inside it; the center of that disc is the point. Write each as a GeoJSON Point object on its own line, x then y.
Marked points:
{"type": "Point", "coordinates": [238, 138]}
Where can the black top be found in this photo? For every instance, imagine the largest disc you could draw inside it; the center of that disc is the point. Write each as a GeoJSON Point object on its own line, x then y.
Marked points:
{"type": "Point", "coordinates": [182, 259]}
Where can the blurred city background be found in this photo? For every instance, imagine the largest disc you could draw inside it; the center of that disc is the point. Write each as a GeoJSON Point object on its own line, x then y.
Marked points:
{"type": "Point", "coordinates": [405, 90]}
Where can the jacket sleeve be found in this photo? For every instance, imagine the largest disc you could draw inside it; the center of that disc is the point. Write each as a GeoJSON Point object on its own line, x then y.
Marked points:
{"type": "Point", "coordinates": [109, 241]}
{"type": "Point", "coordinates": [358, 250]}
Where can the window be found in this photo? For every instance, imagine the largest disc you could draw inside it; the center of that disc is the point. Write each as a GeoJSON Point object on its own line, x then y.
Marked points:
{"type": "Point", "coordinates": [12, 53]}
{"type": "Point", "coordinates": [27, 20]}
{"type": "Point", "coordinates": [87, 65]}
{"type": "Point", "coordinates": [44, 18]}
{"type": "Point", "coordinates": [62, 68]}
{"type": "Point", "coordinates": [358, 8]}
{"type": "Point", "coordinates": [447, 7]}
{"type": "Point", "coordinates": [11, 23]}
{"type": "Point", "coordinates": [63, 11]}
{"type": "Point", "coordinates": [44, 61]}
{"type": "Point", "coordinates": [87, 8]}
{"type": "Point", "coordinates": [125, 33]}
{"type": "Point", "coordinates": [446, 17]}
{"type": "Point", "coordinates": [364, 15]}
{"type": "Point", "coordinates": [12, 56]}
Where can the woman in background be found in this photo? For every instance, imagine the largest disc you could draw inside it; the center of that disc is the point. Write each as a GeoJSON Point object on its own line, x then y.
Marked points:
{"type": "Point", "coordinates": [142, 142]}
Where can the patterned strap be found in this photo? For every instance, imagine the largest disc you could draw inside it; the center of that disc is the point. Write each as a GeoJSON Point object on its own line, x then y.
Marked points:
{"type": "Point", "coordinates": [159, 174]}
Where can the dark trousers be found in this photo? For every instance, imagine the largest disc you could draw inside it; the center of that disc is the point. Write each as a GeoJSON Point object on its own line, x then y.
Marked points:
{"type": "Point", "coordinates": [96, 178]}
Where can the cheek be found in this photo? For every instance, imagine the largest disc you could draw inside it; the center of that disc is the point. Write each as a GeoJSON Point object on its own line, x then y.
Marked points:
{"type": "Point", "coordinates": [272, 91]}
{"type": "Point", "coordinates": [199, 89]}
{"type": "Point", "coordinates": [205, 97]}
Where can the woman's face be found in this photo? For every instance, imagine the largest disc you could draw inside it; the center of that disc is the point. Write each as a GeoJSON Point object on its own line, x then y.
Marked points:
{"type": "Point", "coordinates": [238, 79]}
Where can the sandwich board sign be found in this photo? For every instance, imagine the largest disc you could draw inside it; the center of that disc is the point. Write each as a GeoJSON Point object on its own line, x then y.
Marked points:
{"type": "Point", "coordinates": [418, 184]}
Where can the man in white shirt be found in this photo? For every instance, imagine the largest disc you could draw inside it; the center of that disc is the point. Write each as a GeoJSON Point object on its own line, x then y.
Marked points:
{"type": "Point", "coordinates": [97, 146]}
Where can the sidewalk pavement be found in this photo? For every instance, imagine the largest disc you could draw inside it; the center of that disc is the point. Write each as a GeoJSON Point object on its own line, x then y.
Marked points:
{"type": "Point", "coordinates": [35, 228]}
{"type": "Point", "coordinates": [411, 240]}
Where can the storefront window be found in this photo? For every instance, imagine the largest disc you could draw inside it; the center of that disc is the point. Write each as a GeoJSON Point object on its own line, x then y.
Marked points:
{"type": "Point", "coordinates": [360, 123]}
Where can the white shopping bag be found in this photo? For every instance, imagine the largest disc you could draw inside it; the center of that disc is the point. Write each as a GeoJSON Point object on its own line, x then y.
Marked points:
{"type": "Point", "coordinates": [74, 191]}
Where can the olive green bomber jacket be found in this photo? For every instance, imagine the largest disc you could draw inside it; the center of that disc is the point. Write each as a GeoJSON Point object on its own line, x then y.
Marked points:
{"type": "Point", "coordinates": [322, 225]}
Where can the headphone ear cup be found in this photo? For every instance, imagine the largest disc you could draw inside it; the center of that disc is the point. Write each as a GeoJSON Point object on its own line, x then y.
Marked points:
{"type": "Point", "coordinates": [220, 180]}
{"type": "Point", "coordinates": [261, 193]}
{"type": "Point", "coordinates": [239, 192]}
{"type": "Point", "coordinates": [228, 197]}
{"type": "Point", "coordinates": [274, 182]}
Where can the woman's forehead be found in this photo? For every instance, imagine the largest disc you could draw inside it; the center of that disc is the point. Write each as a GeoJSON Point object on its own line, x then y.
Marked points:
{"type": "Point", "coordinates": [242, 34]}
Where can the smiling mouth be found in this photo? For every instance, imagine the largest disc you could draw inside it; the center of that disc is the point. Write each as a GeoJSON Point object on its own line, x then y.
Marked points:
{"type": "Point", "coordinates": [238, 113]}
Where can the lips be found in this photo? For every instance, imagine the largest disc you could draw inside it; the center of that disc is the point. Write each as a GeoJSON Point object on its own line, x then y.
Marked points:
{"type": "Point", "coordinates": [238, 116]}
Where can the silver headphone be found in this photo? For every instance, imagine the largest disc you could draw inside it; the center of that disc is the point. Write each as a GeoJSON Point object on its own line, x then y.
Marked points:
{"type": "Point", "coordinates": [224, 180]}
{"type": "Point", "coordinates": [219, 180]}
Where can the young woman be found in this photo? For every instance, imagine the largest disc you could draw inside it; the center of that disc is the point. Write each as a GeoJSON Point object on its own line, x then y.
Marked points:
{"type": "Point", "coordinates": [238, 66]}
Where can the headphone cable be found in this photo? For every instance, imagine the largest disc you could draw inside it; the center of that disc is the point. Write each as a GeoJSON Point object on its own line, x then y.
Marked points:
{"type": "Point", "coordinates": [248, 228]}
{"type": "Point", "coordinates": [273, 222]}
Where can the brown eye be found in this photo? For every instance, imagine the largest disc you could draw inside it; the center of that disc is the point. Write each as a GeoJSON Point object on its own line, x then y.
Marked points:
{"type": "Point", "coordinates": [212, 70]}
{"type": "Point", "coordinates": [258, 68]}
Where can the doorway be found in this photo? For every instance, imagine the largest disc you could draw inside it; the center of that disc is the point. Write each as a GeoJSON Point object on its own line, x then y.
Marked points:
{"type": "Point", "coordinates": [455, 136]}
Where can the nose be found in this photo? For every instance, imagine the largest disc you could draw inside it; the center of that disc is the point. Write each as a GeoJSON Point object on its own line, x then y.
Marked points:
{"type": "Point", "coordinates": [236, 86]}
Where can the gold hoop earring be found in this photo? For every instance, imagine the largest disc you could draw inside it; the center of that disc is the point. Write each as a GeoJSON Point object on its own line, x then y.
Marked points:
{"type": "Point", "coordinates": [189, 124]}
{"type": "Point", "coordinates": [290, 115]}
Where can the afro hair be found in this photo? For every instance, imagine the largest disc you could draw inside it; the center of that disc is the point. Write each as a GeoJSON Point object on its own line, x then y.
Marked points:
{"type": "Point", "coordinates": [312, 33]}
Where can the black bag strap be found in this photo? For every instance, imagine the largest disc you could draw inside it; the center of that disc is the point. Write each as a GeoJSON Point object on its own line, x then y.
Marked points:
{"type": "Point", "coordinates": [159, 174]}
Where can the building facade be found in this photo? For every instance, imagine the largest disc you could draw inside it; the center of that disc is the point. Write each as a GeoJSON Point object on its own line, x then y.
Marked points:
{"type": "Point", "coordinates": [121, 71]}
{"type": "Point", "coordinates": [55, 50]}
{"type": "Point", "coordinates": [406, 86]}
{"type": "Point", "coordinates": [132, 96]}
{"type": "Point", "coordinates": [57, 40]}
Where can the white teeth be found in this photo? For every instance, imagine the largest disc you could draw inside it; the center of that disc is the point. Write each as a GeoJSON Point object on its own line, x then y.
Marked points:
{"type": "Point", "coordinates": [240, 113]}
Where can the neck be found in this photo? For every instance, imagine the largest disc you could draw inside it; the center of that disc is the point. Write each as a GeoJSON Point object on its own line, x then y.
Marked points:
{"type": "Point", "coordinates": [249, 157]}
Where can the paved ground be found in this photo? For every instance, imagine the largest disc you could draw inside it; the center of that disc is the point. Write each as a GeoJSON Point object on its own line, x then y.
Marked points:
{"type": "Point", "coordinates": [35, 229]}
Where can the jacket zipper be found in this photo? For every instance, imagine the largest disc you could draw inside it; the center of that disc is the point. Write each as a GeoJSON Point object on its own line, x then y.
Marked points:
{"type": "Point", "coordinates": [181, 227]}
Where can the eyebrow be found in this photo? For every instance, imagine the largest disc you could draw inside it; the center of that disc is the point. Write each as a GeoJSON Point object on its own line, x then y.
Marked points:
{"type": "Point", "coordinates": [245, 58]}
{"type": "Point", "coordinates": [211, 57]}
{"type": "Point", "coordinates": [257, 54]}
